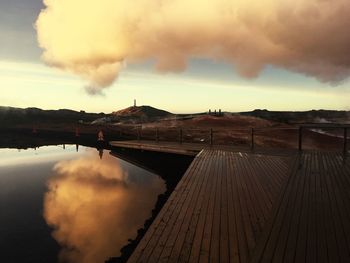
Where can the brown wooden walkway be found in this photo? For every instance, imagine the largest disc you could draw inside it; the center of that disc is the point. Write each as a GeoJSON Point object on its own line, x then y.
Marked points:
{"type": "Point", "coordinates": [311, 221]}
{"type": "Point", "coordinates": [247, 207]}
{"type": "Point", "coordinates": [217, 211]}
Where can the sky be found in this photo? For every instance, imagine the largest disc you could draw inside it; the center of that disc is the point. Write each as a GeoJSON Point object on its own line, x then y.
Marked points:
{"type": "Point", "coordinates": [151, 76]}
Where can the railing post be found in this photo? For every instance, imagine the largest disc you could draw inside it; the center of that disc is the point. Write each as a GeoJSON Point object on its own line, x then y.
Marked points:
{"type": "Point", "coordinates": [180, 135]}
{"type": "Point", "coordinates": [300, 138]}
{"type": "Point", "coordinates": [345, 150]}
{"type": "Point", "coordinates": [211, 136]}
{"type": "Point", "coordinates": [252, 139]}
{"type": "Point", "coordinates": [157, 135]}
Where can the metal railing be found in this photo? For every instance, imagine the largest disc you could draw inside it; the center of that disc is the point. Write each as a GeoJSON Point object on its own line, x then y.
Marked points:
{"type": "Point", "coordinates": [235, 137]}
{"type": "Point", "coordinates": [327, 127]}
{"type": "Point", "coordinates": [215, 136]}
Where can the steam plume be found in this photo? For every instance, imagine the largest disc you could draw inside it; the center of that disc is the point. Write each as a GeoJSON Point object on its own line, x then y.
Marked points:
{"type": "Point", "coordinates": [94, 39]}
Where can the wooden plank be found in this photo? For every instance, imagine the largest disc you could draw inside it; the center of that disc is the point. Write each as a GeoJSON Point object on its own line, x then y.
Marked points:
{"type": "Point", "coordinates": [311, 249]}
{"type": "Point", "coordinates": [295, 217]}
{"type": "Point", "coordinates": [314, 226]}
{"type": "Point", "coordinates": [241, 220]}
{"type": "Point", "coordinates": [202, 221]}
{"type": "Point", "coordinates": [248, 219]}
{"type": "Point", "coordinates": [163, 216]}
{"type": "Point", "coordinates": [263, 194]}
{"type": "Point", "coordinates": [253, 204]}
{"type": "Point", "coordinates": [332, 247]}
{"type": "Point", "coordinates": [214, 255]}
{"type": "Point", "coordinates": [205, 245]}
{"type": "Point", "coordinates": [285, 224]}
{"type": "Point", "coordinates": [300, 250]}
{"type": "Point", "coordinates": [265, 247]}
{"type": "Point", "coordinates": [233, 218]}
{"type": "Point", "coordinates": [322, 255]}
{"type": "Point", "coordinates": [224, 233]}
{"type": "Point", "coordinates": [343, 195]}
{"type": "Point", "coordinates": [276, 166]}
{"type": "Point", "coordinates": [248, 177]}
{"type": "Point", "coordinates": [260, 196]}
{"type": "Point", "coordinates": [181, 228]}
{"type": "Point", "coordinates": [271, 176]}
{"type": "Point", "coordinates": [266, 184]}
{"type": "Point", "coordinates": [193, 239]}
{"type": "Point", "coordinates": [292, 209]}
{"type": "Point", "coordinates": [177, 215]}
{"type": "Point", "coordinates": [337, 212]}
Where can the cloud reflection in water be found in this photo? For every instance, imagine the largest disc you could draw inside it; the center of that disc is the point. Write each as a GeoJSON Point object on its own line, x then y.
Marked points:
{"type": "Point", "coordinates": [96, 205]}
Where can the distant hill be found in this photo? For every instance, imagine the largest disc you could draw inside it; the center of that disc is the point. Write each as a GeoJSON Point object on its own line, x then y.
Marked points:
{"type": "Point", "coordinates": [134, 115]}
{"type": "Point", "coordinates": [294, 117]}
{"type": "Point", "coordinates": [18, 116]}
{"type": "Point", "coordinates": [10, 116]}
{"type": "Point", "coordinates": [142, 111]}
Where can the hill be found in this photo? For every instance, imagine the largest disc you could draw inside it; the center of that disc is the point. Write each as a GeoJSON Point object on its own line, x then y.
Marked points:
{"type": "Point", "coordinates": [142, 112]}
{"type": "Point", "coordinates": [10, 116]}
{"type": "Point", "coordinates": [134, 115]}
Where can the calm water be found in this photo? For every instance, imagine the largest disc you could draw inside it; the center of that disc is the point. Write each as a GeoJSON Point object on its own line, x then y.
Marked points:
{"type": "Point", "coordinates": [60, 205]}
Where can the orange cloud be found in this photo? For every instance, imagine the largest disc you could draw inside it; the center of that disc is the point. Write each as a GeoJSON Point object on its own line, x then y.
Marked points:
{"type": "Point", "coordinates": [94, 207]}
{"type": "Point", "coordinates": [95, 39]}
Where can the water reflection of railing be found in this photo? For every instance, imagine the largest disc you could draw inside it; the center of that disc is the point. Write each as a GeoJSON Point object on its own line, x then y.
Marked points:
{"type": "Point", "coordinates": [294, 137]}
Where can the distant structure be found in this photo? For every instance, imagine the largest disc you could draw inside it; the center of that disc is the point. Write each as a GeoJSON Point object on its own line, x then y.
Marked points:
{"type": "Point", "coordinates": [134, 103]}
{"type": "Point", "coordinates": [215, 112]}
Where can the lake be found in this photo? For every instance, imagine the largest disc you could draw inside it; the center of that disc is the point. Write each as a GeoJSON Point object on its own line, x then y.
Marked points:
{"type": "Point", "coordinates": [71, 204]}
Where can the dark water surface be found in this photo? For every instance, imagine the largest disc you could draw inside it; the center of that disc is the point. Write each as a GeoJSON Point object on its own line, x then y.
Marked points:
{"type": "Point", "coordinates": [59, 205]}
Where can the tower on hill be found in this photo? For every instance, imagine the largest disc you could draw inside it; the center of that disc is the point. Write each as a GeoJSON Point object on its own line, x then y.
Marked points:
{"type": "Point", "coordinates": [134, 103]}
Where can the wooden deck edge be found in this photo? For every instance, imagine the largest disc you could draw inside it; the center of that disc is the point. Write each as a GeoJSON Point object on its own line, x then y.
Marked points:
{"type": "Point", "coordinates": [155, 148]}
{"type": "Point", "coordinates": [192, 149]}
{"type": "Point", "coordinates": [137, 251]}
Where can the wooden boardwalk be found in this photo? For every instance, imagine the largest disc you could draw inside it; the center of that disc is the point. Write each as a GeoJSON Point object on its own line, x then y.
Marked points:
{"type": "Point", "coordinates": [165, 147]}
{"type": "Point", "coordinates": [244, 207]}
{"type": "Point", "coordinates": [218, 210]}
{"type": "Point", "coordinates": [193, 149]}
{"type": "Point", "coordinates": [311, 221]}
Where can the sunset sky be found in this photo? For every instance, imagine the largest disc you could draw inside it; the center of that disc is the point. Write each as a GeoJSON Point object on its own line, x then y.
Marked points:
{"type": "Point", "coordinates": [230, 70]}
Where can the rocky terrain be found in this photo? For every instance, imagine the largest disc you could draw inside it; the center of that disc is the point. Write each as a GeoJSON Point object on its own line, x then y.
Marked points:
{"type": "Point", "coordinates": [271, 129]}
{"type": "Point", "coordinates": [134, 115]}
{"type": "Point", "coordinates": [296, 117]}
